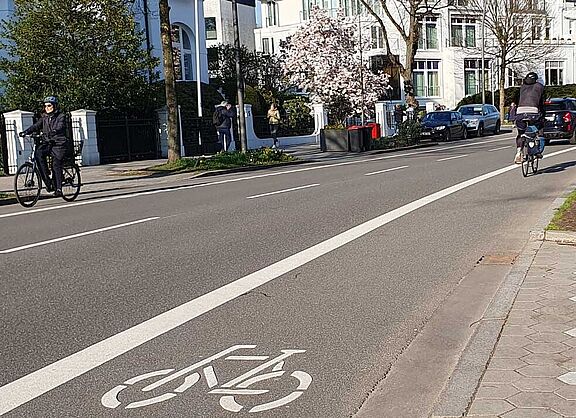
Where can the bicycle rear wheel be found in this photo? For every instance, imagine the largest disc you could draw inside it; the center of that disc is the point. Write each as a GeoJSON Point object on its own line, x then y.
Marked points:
{"type": "Point", "coordinates": [70, 183]}
{"type": "Point", "coordinates": [534, 164]}
{"type": "Point", "coordinates": [27, 185]}
{"type": "Point", "coordinates": [525, 161]}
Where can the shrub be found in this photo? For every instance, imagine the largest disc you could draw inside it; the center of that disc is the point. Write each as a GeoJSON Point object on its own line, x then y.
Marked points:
{"type": "Point", "coordinates": [409, 132]}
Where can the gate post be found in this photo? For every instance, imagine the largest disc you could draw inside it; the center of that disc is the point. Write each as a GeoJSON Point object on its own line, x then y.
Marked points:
{"type": "Point", "coordinates": [320, 119]}
{"type": "Point", "coordinates": [382, 119]}
{"type": "Point", "coordinates": [84, 129]}
{"type": "Point", "coordinates": [18, 148]}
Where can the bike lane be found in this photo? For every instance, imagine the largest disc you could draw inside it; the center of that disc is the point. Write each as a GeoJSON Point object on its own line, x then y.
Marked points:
{"type": "Point", "coordinates": [325, 307]}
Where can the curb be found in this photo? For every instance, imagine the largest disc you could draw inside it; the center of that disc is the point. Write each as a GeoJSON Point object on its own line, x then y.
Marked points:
{"type": "Point", "coordinates": [561, 237]}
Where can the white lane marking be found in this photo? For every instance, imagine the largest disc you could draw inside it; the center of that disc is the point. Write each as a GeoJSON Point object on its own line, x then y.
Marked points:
{"type": "Point", "coordinates": [237, 179]}
{"type": "Point", "coordinates": [452, 158]}
{"type": "Point", "coordinates": [81, 234]}
{"type": "Point", "coordinates": [33, 385]}
{"type": "Point", "coordinates": [499, 148]}
{"type": "Point", "coordinates": [282, 191]}
{"type": "Point", "coordinates": [385, 171]}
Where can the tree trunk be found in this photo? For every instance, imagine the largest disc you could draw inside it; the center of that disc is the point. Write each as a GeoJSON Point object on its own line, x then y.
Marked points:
{"type": "Point", "coordinates": [411, 48]}
{"type": "Point", "coordinates": [501, 83]}
{"type": "Point", "coordinates": [169, 81]}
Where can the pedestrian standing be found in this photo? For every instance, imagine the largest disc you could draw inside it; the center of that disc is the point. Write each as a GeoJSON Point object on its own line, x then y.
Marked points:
{"type": "Point", "coordinates": [273, 122]}
{"type": "Point", "coordinates": [512, 112]}
{"type": "Point", "coordinates": [222, 120]}
{"type": "Point", "coordinates": [398, 116]}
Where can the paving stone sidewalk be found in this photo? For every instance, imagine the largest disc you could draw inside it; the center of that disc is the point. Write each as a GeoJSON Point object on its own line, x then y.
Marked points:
{"type": "Point", "coordinates": [532, 372]}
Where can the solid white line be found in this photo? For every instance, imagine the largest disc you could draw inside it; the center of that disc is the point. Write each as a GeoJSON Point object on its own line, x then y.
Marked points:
{"type": "Point", "coordinates": [81, 234]}
{"type": "Point", "coordinates": [385, 171]}
{"type": "Point", "coordinates": [283, 191]}
{"type": "Point", "coordinates": [43, 380]}
{"type": "Point", "coordinates": [237, 179]}
{"type": "Point", "coordinates": [452, 158]}
{"type": "Point", "coordinates": [498, 149]}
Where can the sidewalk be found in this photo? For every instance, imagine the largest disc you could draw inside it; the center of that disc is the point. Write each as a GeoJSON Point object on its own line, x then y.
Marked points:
{"type": "Point", "coordinates": [521, 362]}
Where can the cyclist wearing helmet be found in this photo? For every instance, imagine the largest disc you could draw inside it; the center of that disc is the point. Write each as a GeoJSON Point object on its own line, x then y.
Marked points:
{"type": "Point", "coordinates": [530, 110]}
{"type": "Point", "coordinates": [53, 126]}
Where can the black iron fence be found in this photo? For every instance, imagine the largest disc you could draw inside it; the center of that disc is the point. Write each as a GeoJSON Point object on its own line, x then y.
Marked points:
{"type": "Point", "coordinates": [262, 129]}
{"type": "Point", "coordinates": [199, 135]}
{"type": "Point", "coordinates": [3, 147]}
{"type": "Point", "coordinates": [123, 138]}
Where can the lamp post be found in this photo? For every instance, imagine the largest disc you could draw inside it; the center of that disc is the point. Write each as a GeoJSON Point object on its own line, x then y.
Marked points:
{"type": "Point", "coordinates": [482, 75]}
{"type": "Point", "coordinates": [361, 69]}
{"type": "Point", "coordinates": [239, 80]}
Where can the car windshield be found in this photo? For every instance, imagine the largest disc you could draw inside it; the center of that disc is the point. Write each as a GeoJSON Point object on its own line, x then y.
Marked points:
{"type": "Point", "coordinates": [437, 116]}
{"type": "Point", "coordinates": [553, 106]}
{"type": "Point", "coordinates": [470, 111]}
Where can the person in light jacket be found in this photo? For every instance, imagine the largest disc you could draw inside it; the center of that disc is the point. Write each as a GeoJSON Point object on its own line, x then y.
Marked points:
{"type": "Point", "coordinates": [273, 116]}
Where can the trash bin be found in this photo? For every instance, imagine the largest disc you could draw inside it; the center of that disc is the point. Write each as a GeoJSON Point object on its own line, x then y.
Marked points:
{"type": "Point", "coordinates": [359, 138]}
{"type": "Point", "coordinates": [355, 138]}
{"type": "Point", "coordinates": [375, 130]}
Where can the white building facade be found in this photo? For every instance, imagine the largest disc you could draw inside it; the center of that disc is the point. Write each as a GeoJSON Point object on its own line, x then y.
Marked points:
{"type": "Point", "coordinates": [219, 24]}
{"type": "Point", "coordinates": [448, 62]}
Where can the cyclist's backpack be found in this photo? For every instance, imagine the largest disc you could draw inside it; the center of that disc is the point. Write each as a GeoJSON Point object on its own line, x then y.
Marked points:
{"type": "Point", "coordinates": [217, 118]}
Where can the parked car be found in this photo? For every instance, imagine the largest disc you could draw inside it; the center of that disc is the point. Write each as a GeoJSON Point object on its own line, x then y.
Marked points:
{"type": "Point", "coordinates": [560, 119]}
{"type": "Point", "coordinates": [444, 126]}
{"type": "Point", "coordinates": [481, 118]}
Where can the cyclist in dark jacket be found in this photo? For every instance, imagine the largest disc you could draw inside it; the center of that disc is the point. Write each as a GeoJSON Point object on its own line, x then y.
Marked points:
{"type": "Point", "coordinates": [53, 126]}
{"type": "Point", "coordinates": [530, 110]}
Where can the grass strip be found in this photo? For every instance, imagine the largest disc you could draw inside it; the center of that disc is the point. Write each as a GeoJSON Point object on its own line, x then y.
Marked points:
{"type": "Point", "coordinates": [557, 220]}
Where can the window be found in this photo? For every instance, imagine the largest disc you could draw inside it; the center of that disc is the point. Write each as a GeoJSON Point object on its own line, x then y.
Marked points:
{"type": "Point", "coordinates": [554, 73]}
{"type": "Point", "coordinates": [429, 33]}
{"type": "Point", "coordinates": [463, 32]}
{"type": "Point", "coordinates": [377, 37]}
{"type": "Point", "coordinates": [426, 78]}
{"type": "Point", "coordinates": [182, 49]}
{"type": "Point", "coordinates": [272, 17]}
{"type": "Point", "coordinates": [210, 26]}
{"type": "Point", "coordinates": [537, 25]}
{"type": "Point", "coordinates": [472, 72]}
{"type": "Point", "coordinates": [266, 45]}
{"type": "Point", "coordinates": [514, 78]}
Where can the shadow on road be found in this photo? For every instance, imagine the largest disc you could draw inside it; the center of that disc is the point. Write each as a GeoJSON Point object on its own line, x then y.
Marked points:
{"type": "Point", "coordinates": [557, 167]}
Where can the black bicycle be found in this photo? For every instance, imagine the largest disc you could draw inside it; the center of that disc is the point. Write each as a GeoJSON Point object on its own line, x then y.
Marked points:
{"type": "Point", "coordinates": [28, 182]}
{"type": "Point", "coordinates": [530, 149]}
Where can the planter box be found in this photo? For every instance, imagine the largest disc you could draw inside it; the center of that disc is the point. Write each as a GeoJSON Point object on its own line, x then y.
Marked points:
{"type": "Point", "coordinates": [333, 140]}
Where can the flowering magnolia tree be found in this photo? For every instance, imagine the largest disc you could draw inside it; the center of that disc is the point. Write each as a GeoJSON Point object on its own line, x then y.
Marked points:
{"type": "Point", "coordinates": [323, 58]}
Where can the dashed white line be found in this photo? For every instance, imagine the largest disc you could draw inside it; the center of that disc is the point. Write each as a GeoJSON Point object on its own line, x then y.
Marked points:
{"type": "Point", "coordinates": [452, 158]}
{"type": "Point", "coordinates": [237, 179]}
{"type": "Point", "coordinates": [499, 148]}
{"type": "Point", "coordinates": [283, 191]}
{"type": "Point", "coordinates": [81, 234]}
{"type": "Point", "coordinates": [387, 170]}
{"type": "Point", "coordinates": [33, 385]}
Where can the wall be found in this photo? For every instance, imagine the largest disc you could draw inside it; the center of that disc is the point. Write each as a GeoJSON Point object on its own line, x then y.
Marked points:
{"type": "Point", "coordinates": [222, 10]}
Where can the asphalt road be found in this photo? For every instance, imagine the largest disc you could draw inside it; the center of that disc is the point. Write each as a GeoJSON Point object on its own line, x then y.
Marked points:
{"type": "Point", "coordinates": [343, 261]}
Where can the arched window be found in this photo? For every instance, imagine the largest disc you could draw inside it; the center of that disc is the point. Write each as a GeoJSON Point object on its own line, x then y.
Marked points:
{"type": "Point", "coordinates": [182, 52]}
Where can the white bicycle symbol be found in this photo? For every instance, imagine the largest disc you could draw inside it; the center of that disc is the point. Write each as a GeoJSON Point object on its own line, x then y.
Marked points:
{"type": "Point", "coordinates": [235, 387]}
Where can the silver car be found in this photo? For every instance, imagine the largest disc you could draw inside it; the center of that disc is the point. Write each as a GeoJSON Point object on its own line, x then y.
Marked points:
{"type": "Point", "coordinates": [481, 118]}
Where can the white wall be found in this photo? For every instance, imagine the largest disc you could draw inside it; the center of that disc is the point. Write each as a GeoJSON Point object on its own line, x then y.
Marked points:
{"type": "Point", "coordinates": [222, 11]}
{"type": "Point", "coordinates": [182, 13]}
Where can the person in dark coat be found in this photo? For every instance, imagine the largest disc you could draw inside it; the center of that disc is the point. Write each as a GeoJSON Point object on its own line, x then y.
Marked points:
{"type": "Point", "coordinates": [398, 115]}
{"type": "Point", "coordinates": [52, 124]}
{"type": "Point", "coordinates": [512, 112]}
{"type": "Point", "coordinates": [226, 112]}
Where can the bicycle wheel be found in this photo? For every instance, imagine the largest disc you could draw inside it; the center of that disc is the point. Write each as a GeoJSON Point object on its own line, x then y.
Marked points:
{"type": "Point", "coordinates": [525, 161]}
{"type": "Point", "coordinates": [27, 185]}
{"type": "Point", "coordinates": [70, 183]}
{"type": "Point", "coordinates": [534, 164]}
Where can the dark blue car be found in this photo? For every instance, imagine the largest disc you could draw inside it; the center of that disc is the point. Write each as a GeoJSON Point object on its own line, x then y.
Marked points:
{"type": "Point", "coordinates": [444, 126]}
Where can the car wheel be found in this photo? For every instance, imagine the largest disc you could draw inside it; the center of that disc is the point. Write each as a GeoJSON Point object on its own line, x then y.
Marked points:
{"type": "Point", "coordinates": [480, 130]}
{"type": "Point", "coordinates": [448, 136]}
{"type": "Point", "coordinates": [465, 133]}
{"type": "Point", "coordinates": [497, 128]}
{"type": "Point", "coordinates": [573, 138]}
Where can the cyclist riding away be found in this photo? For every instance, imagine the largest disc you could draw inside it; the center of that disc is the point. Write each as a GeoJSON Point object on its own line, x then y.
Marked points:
{"type": "Point", "coordinates": [53, 126]}
{"type": "Point", "coordinates": [530, 110]}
